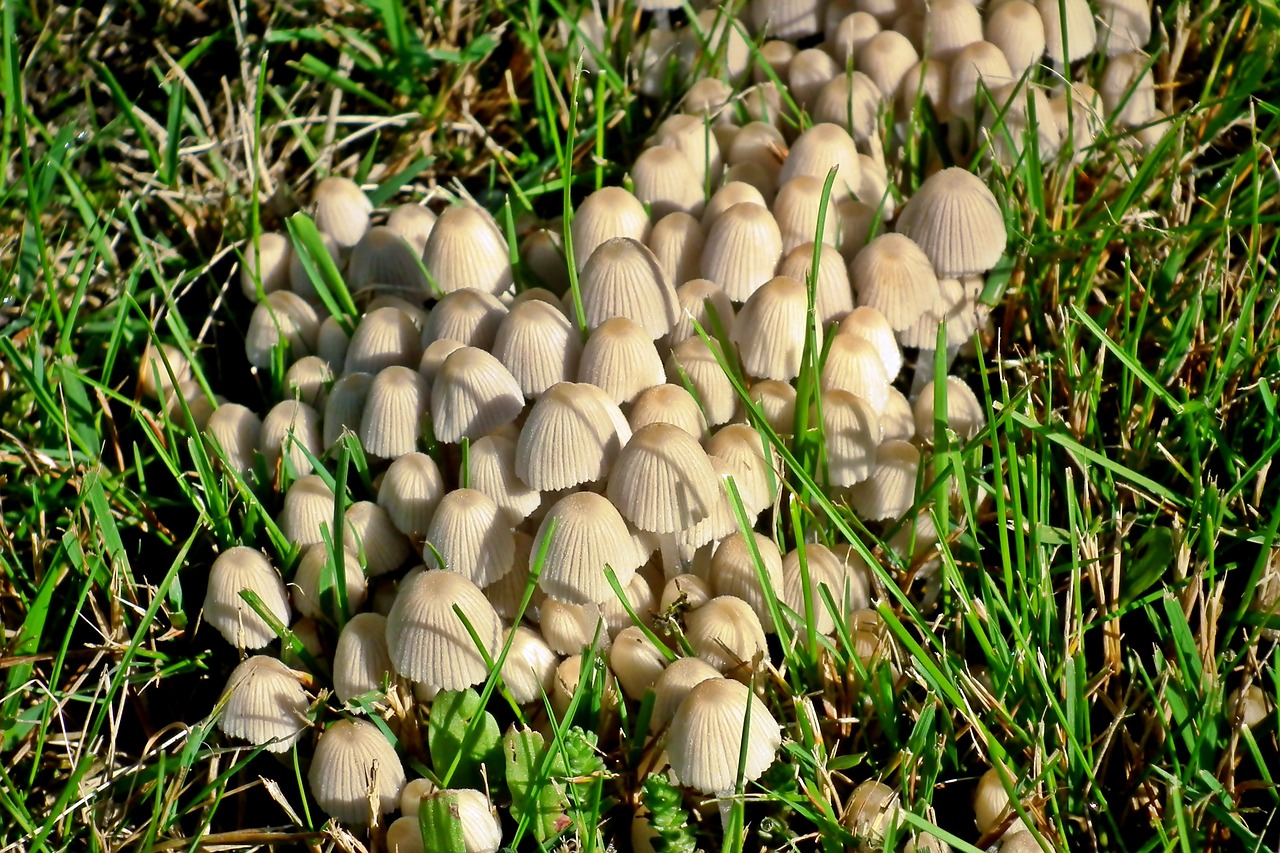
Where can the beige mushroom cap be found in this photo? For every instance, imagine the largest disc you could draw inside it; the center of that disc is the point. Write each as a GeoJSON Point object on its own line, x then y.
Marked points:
{"type": "Point", "coordinates": [473, 394]}
{"type": "Point", "coordinates": [706, 734]}
{"type": "Point", "coordinates": [243, 568]}
{"type": "Point", "coordinates": [893, 274]}
{"type": "Point", "coordinates": [429, 643]}
{"type": "Point", "coordinates": [530, 668]}
{"type": "Point", "coordinates": [770, 329]}
{"type": "Point", "coordinates": [341, 210]}
{"type": "Point", "coordinates": [473, 536]}
{"type": "Point", "coordinates": [355, 767]}
{"type": "Point", "coordinates": [955, 219]}
{"type": "Point", "coordinates": [264, 704]}
{"type": "Point", "coordinates": [571, 436]}
{"type": "Point", "coordinates": [395, 409]}
{"type": "Point", "coordinates": [384, 337]}
{"type": "Point", "coordinates": [538, 344]}
{"type": "Point", "coordinates": [890, 491]}
{"type": "Point", "coordinates": [605, 214]}
{"type": "Point", "coordinates": [410, 491]}
{"type": "Point", "coordinates": [466, 249]}
{"type": "Point", "coordinates": [590, 534]}
{"type": "Point", "coordinates": [663, 481]}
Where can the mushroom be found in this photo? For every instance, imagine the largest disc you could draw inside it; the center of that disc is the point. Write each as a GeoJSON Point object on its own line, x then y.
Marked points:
{"type": "Point", "coordinates": [234, 429]}
{"type": "Point", "coordinates": [833, 294]}
{"type": "Point", "coordinates": [927, 80]}
{"type": "Point", "coordinates": [729, 194]}
{"type": "Point", "coordinates": [473, 394]}
{"type": "Point", "coordinates": [817, 150]}
{"type": "Point", "coordinates": [384, 337]}
{"type": "Point", "coordinates": [308, 380]}
{"type": "Point", "coordinates": [847, 584]}
{"type": "Point", "coordinates": [316, 576]}
{"type": "Point", "coordinates": [668, 404]}
{"type": "Point", "coordinates": [894, 275]}
{"type": "Point", "coordinates": [291, 430]}
{"type": "Point", "coordinates": [538, 346]}
{"type": "Point", "coordinates": [886, 58]}
{"type": "Point", "coordinates": [677, 241]}
{"type": "Point", "coordinates": [957, 222]}
{"type": "Point", "coordinates": [851, 101]}
{"type": "Point", "coordinates": [427, 640]}
{"type": "Point", "coordinates": [797, 208]}
{"type": "Point", "coordinates": [621, 359]}
{"type": "Point", "coordinates": [472, 536]}
{"type": "Point", "coordinates": [979, 66]}
{"type": "Point", "coordinates": [607, 213]}
{"type": "Point", "coordinates": [344, 407]}
{"type": "Point", "coordinates": [568, 628]}
{"type": "Point", "coordinates": [693, 137]}
{"type": "Point", "coordinates": [623, 278]}
{"type": "Point", "coordinates": [808, 71]}
{"type": "Point", "coordinates": [282, 317]}
{"type": "Point", "coordinates": [478, 823]}
{"type": "Point", "coordinates": [355, 775]}
{"type": "Point", "coordinates": [299, 279]}
{"type": "Point", "coordinates": [849, 35]}
{"type": "Point", "coordinates": [1069, 32]}
{"type": "Point", "coordinates": [395, 410]}
{"type": "Point", "coordinates": [569, 676]}
{"type": "Point", "coordinates": [742, 250]}
{"type": "Point", "coordinates": [542, 257]}
{"type": "Point", "coordinates": [529, 670]}
{"type": "Point", "coordinates": [951, 26]}
{"type": "Point", "coordinates": [467, 249]}
{"type": "Point", "coordinates": [705, 741]}
{"type": "Point", "coordinates": [726, 633]}
{"type": "Point", "coordinates": [662, 481]}
{"type": "Point", "coordinates": [1123, 25]}
{"type": "Point", "coordinates": [770, 329]}
{"type": "Point", "coordinates": [362, 661]}
{"type": "Point", "coordinates": [383, 262]}
{"type": "Point", "coordinates": [1128, 89]}
{"type": "Point", "coordinates": [493, 471]}
{"type": "Point", "coordinates": [734, 572]}
{"type": "Point", "coordinates": [1017, 29]}
{"type": "Point", "coordinates": [693, 297]}
{"type": "Point", "coordinates": [897, 421]}
{"type": "Point", "coordinates": [266, 262]}
{"type": "Point", "coordinates": [370, 531]}
{"type": "Point", "coordinates": [264, 704]}
{"type": "Point", "coordinates": [413, 223]}
{"type": "Point", "coordinates": [308, 507]}
{"type": "Point", "coordinates": [590, 534]}
{"type": "Point", "coordinates": [466, 315]}
{"type": "Point", "coordinates": [871, 326]}
{"type": "Point", "coordinates": [775, 55]}
{"type": "Point", "coordinates": [743, 448]}
{"type": "Point", "coordinates": [873, 808]}
{"type": "Point", "coordinates": [890, 491]}
{"type": "Point", "coordinates": [636, 661]}
{"type": "Point", "coordinates": [851, 432]}
{"type": "Point", "coordinates": [570, 437]}
{"type": "Point", "coordinates": [964, 415]}
{"type": "Point", "coordinates": [777, 402]}
{"type": "Point", "coordinates": [667, 182]}
{"type": "Point", "coordinates": [411, 490]}
{"type": "Point", "coordinates": [698, 364]}
{"type": "Point", "coordinates": [991, 803]}
{"type": "Point", "coordinates": [853, 365]}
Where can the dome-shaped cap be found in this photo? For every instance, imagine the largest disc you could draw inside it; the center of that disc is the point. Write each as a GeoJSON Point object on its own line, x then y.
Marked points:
{"type": "Point", "coordinates": [663, 481]}
{"type": "Point", "coordinates": [990, 801]}
{"type": "Point", "coordinates": [623, 278]}
{"type": "Point", "coordinates": [478, 823]}
{"type": "Point", "coordinates": [950, 26]}
{"type": "Point", "coordinates": [853, 364]}
{"type": "Point", "coordinates": [885, 58]}
{"type": "Point", "coordinates": [777, 402]}
{"type": "Point", "coordinates": [308, 380]}
{"type": "Point", "coordinates": [154, 380]}
{"type": "Point", "coordinates": [370, 532]}
{"type": "Point", "coordinates": [639, 595]}
{"type": "Point", "coordinates": [300, 280]}
{"type": "Point", "coordinates": [621, 359]}
{"type": "Point", "coordinates": [668, 404]}
{"type": "Point", "coordinates": [589, 535]}
{"type": "Point", "coordinates": [315, 579]}
{"type": "Point", "coordinates": [394, 410]}
{"type": "Point", "coordinates": [955, 219]}
{"type": "Point", "coordinates": [344, 407]}
{"type": "Point", "coordinates": [726, 633]}
{"type": "Point", "coordinates": [673, 684]}
{"type": "Point", "coordinates": [698, 363]}
{"type": "Point", "coordinates": [361, 662]}
{"type": "Point", "coordinates": [607, 213]}
{"type": "Point", "coordinates": [742, 447]}
{"type": "Point", "coordinates": [817, 150]}
{"type": "Point", "coordinates": [245, 569]}
{"type": "Point", "coordinates": [382, 262]}
{"type": "Point", "coordinates": [530, 668]}
{"type": "Point", "coordinates": [692, 297]}
{"type": "Point", "coordinates": [308, 505]}
{"type": "Point", "coordinates": [775, 55]}
{"type": "Point", "coordinates": [959, 307]}
{"type": "Point", "coordinates": [770, 329]}
{"type": "Point", "coordinates": [281, 317]}
{"type": "Point", "coordinates": [429, 643]}
{"type": "Point", "coordinates": [897, 420]}
{"type": "Point", "coordinates": [413, 223]}
{"type": "Point", "coordinates": [538, 344]}
{"type": "Point", "coordinates": [891, 490]}
{"type": "Point", "coordinates": [707, 733]}
{"type": "Point", "coordinates": [926, 81]}
{"type": "Point", "coordinates": [636, 661]}
{"type": "Point", "coordinates": [848, 586]}
{"type": "Point", "coordinates": [846, 36]}
{"type": "Point", "coordinates": [677, 242]}
{"type": "Point", "coordinates": [473, 394]}
{"type": "Point", "coordinates": [468, 316]}
{"type": "Point", "coordinates": [684, 593]}
{"type": "Point", "coordinates": [761, 144]}
{"type": "Point", "coordinates": [734, 572]}
{"type": "Point", "coordinates": [979, 66]}
{"type": "Point", "coordinates": [493, 471]}
{"type": "Point", "coordinates": [729, 194]}
{"type": "Point", "coordinates": [355, 767]}
{"type": "Point", "coordinates": [720, 522]}
{"type": "Point", "coordinates": [410, 491]}
{"type": "Point", "coordinates": [466, 249]}
{"type": "Point", "coordinates": [234, 429]}
{"type": "Point", "coordinates": [893, 275]}
{"type": "Point", "coordinates": [472, 535]}
{"type": "Point", "coordinates": [1128, 89]}
{"type": "Point", "coordinates": [792, 20]}
{"type": "Point", "coordinates": [290, 431]}
{"type": "Point", "coordinates": [404, 835]}
{"type": "Point", "coordinates": [264, 704]}
{"type": "Point", "coordinates": [797, 209]}
{"type": "Point", "coordinates": [666, 181]}
{"type": "Point", "coordinates": [1077, 38]}
{"type": "Point", "coordinates": [433, 357]}
{"type": "Point", "coordinates": [851, 433]}
{"type": "Point", "coordinates": [384, 337]}
{"type": "Point", "coordinates": [693, 137]}
{"type": "Point", "coordinates": [869, 324]}
{"type": "Point", "coordinates": [266, 261]}
{"type": "Point", "coordinates": [568, 676]}
{"type": "Point", "coordinates": [341, 210]}
{"type": "Point", "coordinates": [332, 342]}
{"type": "Point", "coordinates": [570, 437]}
{"type": "Point", "coordinates": [742, 250]}
{"type": "Point", "coordinates": [507, 592]}
{"type": "Point", "coordinates": [1016, 28]}
{"type": "Point", "coordinates": [873, 807]}
{"type": "Point", "coordinates": [851, 101]}
{"type": "Point", "coordinates": [808, 71]}
{"type": "Point", "coordinates": [567, 627]}
{"type": "Point", "coordinates": [965, 415]}
{"type": "Point", "coordinates": [1123, 25]}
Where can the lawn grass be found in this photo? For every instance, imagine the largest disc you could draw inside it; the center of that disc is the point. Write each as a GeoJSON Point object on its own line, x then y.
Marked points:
{"type": "Point", "coordinates": [1105, 535]}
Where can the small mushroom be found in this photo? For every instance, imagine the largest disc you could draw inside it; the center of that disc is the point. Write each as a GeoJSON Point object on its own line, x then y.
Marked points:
{"type": "Point", "coordinates": [264, 704]}
{"type": "Point", "coordinates": [429, 643]}
{"type": "Point", "coordinates": [706, 737]}
{"type": "Point", "coordinates": [341, 210]}
{"type": "Point", "coordinates": [362, 661]}
{"type": "Point", "coordinates": [472, 536]}
{"type": "Point", "coordinates": [466, 249]}
{"type": "Point", "coordinates": [394, 412]}
{"type": "Point", "coordinates": [472, 395]}
{"type": "Point", "coordinates": [355, 775]}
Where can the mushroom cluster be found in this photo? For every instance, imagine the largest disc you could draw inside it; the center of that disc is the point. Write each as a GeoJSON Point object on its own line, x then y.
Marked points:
{"type": "Point", "coordinates": [573, 453]}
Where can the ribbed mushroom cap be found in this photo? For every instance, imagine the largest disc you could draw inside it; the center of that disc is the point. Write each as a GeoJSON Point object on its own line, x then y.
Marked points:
{"type": "Point", "coordinates": [623, 278]}
{"type": "Point", "coordinates": [493, 471]}
{"type": "Point", "coordinates": [384, 337]}
{"type": "Point", "coordinates": [641, 597]}
{"type": "Point", "coordinates": [775, 54]}
{"type": "Point", "coordinates": [808, 72]}
{"type": "Point", "coordinates": [308, 380]}
{"type": "Point", "coordinates": [848, 586]}
{"type": "Point", "coordinates": [854, 365]}
{"type": "Point", "coordinates": [506, 593]}
{"type": "Point", "coordinates": [468, 316]}
{"type": "Point", "coordinates": [873, 808]}
{"type": "Point", "coordinates": [692, 297]}
{"type": "Point", "coordinates": [851, 429]}
{"type": "Point", "coordinates": [568, 676]}
{"type": "Point", "coordinates": [308, 504]}
{"type": "Point", "coordinates": [1009, 123]}
{"type": "Point", "coordinates": [571, 436]}
{"type": "Point", "coordinates": [965, 415]}
{"type": "Point", "coordinates": [429, 643]}
{"type": "Point", "coordinates": [234, 428]}
{"type": "Point", "coordinates": [726, 633]}
{"type": "Point", "coordinates": [237, 569]}
{"type": "Point", "coordinates": [433, 358]}
{"type": "Point", "coordinates": [667, 182]}
{"type": "Point", "coordinates": [741, 446]}
{"type": "Point", "coordinates": [763, 102]}
{"type": "Point", "coordinates": [281, 317]}
{"type": "Point", "coordinates": [607, 213]}
{"type": "Point", "coordinates": [959, 307]}
{"type": "Point", "coordinates": [620, 359]}
{"type": "Point", "coordinates": [676, 243]}
{"type": "Point", "coordinates": [694, 138]}
{"type": "Point", "coordinates": [721, 521]}
{"type": "Point", "coordinates": [537, 343]}
{"type": "Point", "coordinates": [668, 404]}
{"type": "Point", "coordinates": [1128, 89]}
{"type": "Point", "coordinates": [355, 767]}
{"type": "Point", "coordinates": [979, 66]}
{"type": "Point", "coordinates": [315, 580]}
{"type": "Point", "coordinates": [897, 420]}
{"type": "Point", "coordinates": [759, 143]}
{"type": "Point", "coordinates": [990, 801]}
{"type": "Point", "coordinates": [950, 26]}
{"type": "Point", "coordinates": [1078, 111]}
{"type": "Point", "coordinates": [466, 249]}
{"type": "Point", "coordinates": [852, 102]}
{"type": "Point", "coordinates": [384, 262]}
{"type": "Point", "coordinates": [299, 280]}
{"type": "Point", "coordinates": [955, 219]}
{"type": "Point", "coordinates": [473, 537]}
{"type": "Point", "coordinates": [893, 275]}
{"type": "Point", "coordinates": [850, 34]}
{"type": "Point", "coordinates": [568, 628]}
{"type": "Point", "coordinates": [636, 661]}
{"type": "Point", "coordinates": [264, 704]}
{"type": "Point", "coordinates": [266, 260]}
{"type": "Point", "coordinates": [1077, 39]}
{"type": "Point", "coordinates": [341, 210]}
{"type": "Point", "coordinates": [290, 430]}
{"type": "Point", "coordinates": [1123, 25]}
{"type": "Point", "coordinates": [892, 487]}
{"type": "Point", "coordinates": [530, 668]}
{"type": "Point", "coordinates": [870, 325]}
{"type": "Point", "coordinates": [797, 209]}
{"type": "Point", "coordinates": [361, 661]}
{"type": "Point", "coordinates": [413, 223]}
{"type": "Point", "coordinates": [1016, 27]}
{"type": "Point", "coordinates": [663, 481]}
{"type": "Point", "coordinates": [684, 593]}
{"type": "Point", "coordinates": [394, 410]}
{"type": "Point", "coordinates": [792, 20]}
{"type": "Point", "coordinates": [770, 329]}
{"type": "Point", "coordinates": [885, 58]}
{"type": "Point", "coordinates": [590, 534]}
{"type": "Point", "coordinates": [370, 532]}
{"type": "Point", "coordinates": [734, 572]}
{"type": "Point", "coordinates": [154, 380]}
{"type": "Point", "coordinates": [410, 491]}
{"type": "Point", "coordinates": [833, 298]}
{"type": "Point", "coordinates": [332, 342]}
{"type": "Point", "coordinates": [729, 194]}
{"type": "Point", "coordinates": [344, 407]}
{"type": "Point", "coordinates": [742, 250]}
{"type": "Point", "coordinates": [706, 736]}
{"type": "Point", "coordinates": [404, 835]}
{"type": "Point", "coordinates": [473, 394]}
{"type": "Point", "coordinates": [697, 362]}
{"type": "Point", "coordinates": [673, 685]}
{"type": "Point", "coordinates": [777, 402]}
{"type": "Point", "coordinates": [817, 150]}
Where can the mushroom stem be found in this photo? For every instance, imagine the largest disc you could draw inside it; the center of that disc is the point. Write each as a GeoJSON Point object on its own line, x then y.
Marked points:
{"type": "Point", "coordinates": [725, 805]}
